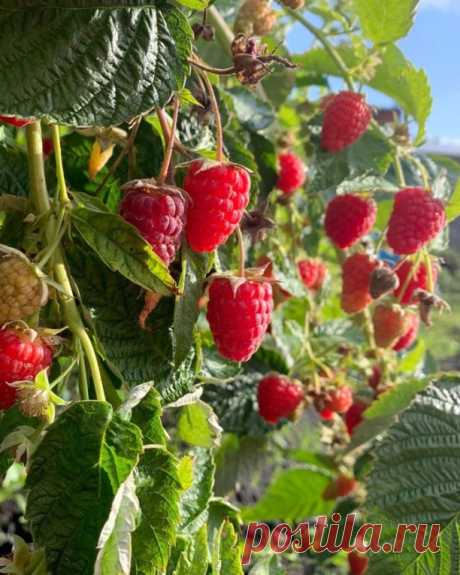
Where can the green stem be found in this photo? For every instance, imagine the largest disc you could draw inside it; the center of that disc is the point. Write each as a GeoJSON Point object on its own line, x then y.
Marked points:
{"type": "Point", "coordinates": [170, 139]}
{"type": "Point", "coordinates": [399, 172]}
{"type": "Point", "coordinates": [410, 276]}
{"type": "Point", "coordinates": [319, 35]}
{"type": "Point", "coordinates": [42, 203]}
{"type": "Point", "coordinates": [429, 271]}
{"type": "Point", "coordinates": [242, 251]}
{"type": "Point", "coordinates": [63, 195]}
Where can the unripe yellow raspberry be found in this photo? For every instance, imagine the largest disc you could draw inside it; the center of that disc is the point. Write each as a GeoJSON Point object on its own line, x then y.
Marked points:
{"type": "Point", "coordinates": [255, 18]}
{"type": "Point", "coordinates": [22, 291]}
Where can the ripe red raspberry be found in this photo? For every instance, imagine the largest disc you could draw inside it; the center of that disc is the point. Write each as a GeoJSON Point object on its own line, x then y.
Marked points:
{"type": "Point", "coordinates": [390, 323]}
{"type": "Point", "coordinates": [340, 401]}
{"type": "Point", "coordinates": [22, 357]}
{"type": "Point", "coordinates": [13, 121]}
{"type": "Point", "coordinates": [292, 173]}
{"type": "Point", "coordinates": [410, 335]}
{"type": "Point", "coordinates": [358, 563]}
{"type": "Point", "coordinates": [419, 280]}
{"type": "Point", "coordinates": [278, 397]}
{"type": "Point", "coordinates": [356, 275]}
{"type": "Point", "coordinates": [219, 195]}
{"type": "Point", "coordinates": [348, 218]}
{"type": "Point", "coordinates": [313, 272]}
{"type": "Point", "coordinates": [340, 487]}
{"type": "Point", "coordinates": [417, 218]}
{"type": "Point", "coordinates": [239, 313]}
{"type": "Point", "coordinates": [346, 118]}
{"type": "Point", "coordinates": [158, 213]}
{"type": "Point", "coordinates": [354, 415]}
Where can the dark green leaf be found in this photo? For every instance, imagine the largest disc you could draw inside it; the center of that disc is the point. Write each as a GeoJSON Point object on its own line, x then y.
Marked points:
{"type": "Point", "coordinates": [157, 486]}
{"type": "Point", "coordinates": [54, 54]}
{"type": "Point", "coordinates": [122, 248]}
{"type": "Point", "coordinates": [414, 477]}
{"type": "Point", "coordinates": [253, 113]}
{"type": "Point", "coordinates": [71, 489]}
{"type": "Point", "coordinates": [186, 310]}
{"type": "Point", "coordinates": [135, 355]}
{"type": "Point", "coordinates": [388, 21]}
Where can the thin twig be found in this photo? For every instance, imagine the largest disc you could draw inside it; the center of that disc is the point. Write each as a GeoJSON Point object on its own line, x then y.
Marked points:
{"type": "Point", "coordinates": [169, 144]}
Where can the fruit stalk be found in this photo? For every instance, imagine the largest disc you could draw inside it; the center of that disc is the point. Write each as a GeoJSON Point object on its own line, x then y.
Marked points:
{"type": "Point", "coordinates": [319, 34]}
{"type": "Point", "coordinates": [170, 139]}
{"type": "Point", "coordinates": [215, 109]}
{"type": "Point", "coordinates": [42, 203]}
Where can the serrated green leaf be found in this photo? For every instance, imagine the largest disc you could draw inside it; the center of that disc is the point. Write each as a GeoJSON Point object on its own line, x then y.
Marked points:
{"type": "Point", "coordinates": [135, 355]}
{"type": "Point", "coordinates": [122, 249]}
{"type": "Point", "coordinates": [395, 400]}
{"type": "Point", "coordinates": [415, 475]}
{"type": "Point", "coordinates": [286, 498]}
{"type": "Point", "coordinates": [194, 501]}
{"type": "Point", "coordinates": [158, 488]}
{"type": "Point", "coordinates": [186, 309]}
{"type": "Point", "coordinates": [193, 560]}
{"type": "Point", "coordinates": [71, 490]}
{"type": "Point", "coordinates": [388, 21]}
{"type": "Point", "coordinates": [226, 552]}
{"type": "Point", "coordinates": [51, 54]}
{"type": "Point", "coordinates": [453, 207]}
{"type": "Point", "coordinates": [198, 425]}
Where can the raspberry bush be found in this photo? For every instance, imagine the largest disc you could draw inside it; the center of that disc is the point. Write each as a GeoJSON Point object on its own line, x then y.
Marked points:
{"type": "Point", "coordinates": [216, 280]}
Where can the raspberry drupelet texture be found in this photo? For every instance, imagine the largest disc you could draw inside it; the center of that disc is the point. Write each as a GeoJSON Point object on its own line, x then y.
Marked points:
{"type": "Point", "coordinates": [312, 272]}
{"type": "Point", "coordinates": [278, 397]}
{"type": "Point", "coordinates": [159, 216]}
{"type": "Point", "coordinates": [219, 195]}
{"type": "Point", "coordinates": [340, 402]}
{"type": "Point", "coordinates": [346, 118]}
{"type": "Point", "coordinates": [416, 219]}
{"type": "Point", "coordinates": [419, 280]}
{"type": "Point", "coordinates": [292, 173]}
{"type": "Point", "coordinates": [22, 292]}
{"type": "Point", "coordinates": [410, 335]}
{"type": "Point", "coordinates": [390, 323]}
{"type": "Point", "coordinates": [22, 357]}
{"type": "Point", "coordinates": [239, 316]}
{"type": "Point", "coordinates": [356, 275]}
{"type": "Point", "coordinates": [348, 218]}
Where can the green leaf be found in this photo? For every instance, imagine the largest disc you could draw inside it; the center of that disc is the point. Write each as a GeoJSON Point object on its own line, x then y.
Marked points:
{"type": "Point", "coordinates": [194, 4]}
{"type": "Point", "coordinates": [158, 489]}
{"type": "Point", "coordinates": [265, 154]}
{"type": "Point", "coordinates": [186, 310]}
{"type": "Point", "coordinates": [135, 355]}
{"type": "Point", "coordinates": [388, 21]}
{"type": "Point", "coordinates": [71, 490]}
{"type": "Point", "coordinates": [226, 552]}
{"type": "Point", "coordinates": [453, 207]}
{"type": "Point", "coordinates": [122, 249]}
{"type": "Point", "coordinates": [193, 560]}
{"type": "Point", "coordinates": [253, 113]}
{"type": "Point", "coordinates": [395, 400]}
{"type": "Point", "coordinates": [114, 544]}
{"type": "Point", "coordinates": [194, 501]}
{"type": "Point", "coordinates": [415, 475]}
{"type": "Point", "coordinates": [198, 425]}
{"type": "Point", "coordinates": [287, 499]}
{"type": "Point", "coordinates": [51, 54]}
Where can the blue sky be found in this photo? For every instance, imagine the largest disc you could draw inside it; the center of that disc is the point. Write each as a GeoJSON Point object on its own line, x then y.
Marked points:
{"type": "Point", "coordinates": [433, 44]}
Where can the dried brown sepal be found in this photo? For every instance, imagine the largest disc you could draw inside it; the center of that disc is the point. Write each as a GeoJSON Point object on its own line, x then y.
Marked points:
{"type": "Point", "coordinates": [428, 302]}
{"type": "Point", "coordinates": [253, 61]}
{"type": "Point", "coordinates": [256, 224]}
{"type": "Point", "coordinates": [383, 281]}
{"type": "Point", "coordinates": [151, 300]}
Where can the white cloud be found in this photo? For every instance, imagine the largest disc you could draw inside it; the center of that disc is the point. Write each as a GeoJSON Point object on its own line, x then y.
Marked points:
{"type": "Point", "coordinates": [446, 5]}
